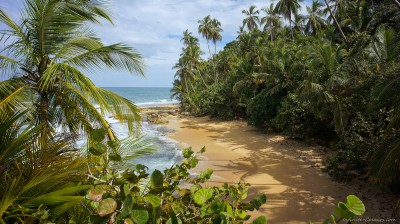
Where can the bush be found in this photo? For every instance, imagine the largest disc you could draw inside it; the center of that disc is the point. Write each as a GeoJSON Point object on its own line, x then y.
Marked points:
{"type": "Point", "coordinates": [362, 136]}
{"type": "Point", "coordinates": [217, 101]}
{"type": "Point", "coordinates": [296, 120]}
{"type": "Point", "coordinates": [264, 108]}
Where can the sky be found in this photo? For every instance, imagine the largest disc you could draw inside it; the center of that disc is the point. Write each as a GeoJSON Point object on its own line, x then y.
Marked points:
{"type": "Point", "coordinates": [154, 28]}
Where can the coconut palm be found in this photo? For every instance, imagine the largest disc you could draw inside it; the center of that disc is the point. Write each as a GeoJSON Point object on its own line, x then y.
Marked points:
{"type": "Point", "coordinates": [333, 16]}
{"type": "Point", "coordinates": [46, 57]}
{"type": "Point", "coordinates": [384, 51]}
{"type": "Point", "coordinates": [287, 8]}
{"type": "Point", "coordinates": [271, 20]}
{"type": "Point", "coordinates": [188, 39]}
{"type": "Point", "coordinates": [216, 33]}
{"type": "Point", "coordinates": [206, 30]}
{"type": "Point", "coordinates": [37, 177]}
{"type": "Point", "coordinates": [252, 19]}
{"type": "Point", "coordinates": [314, 19]}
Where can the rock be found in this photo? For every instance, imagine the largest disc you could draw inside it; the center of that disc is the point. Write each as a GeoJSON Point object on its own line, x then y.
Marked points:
{"type": "Point", "coordinates": [156, 119]}
{"type": "Point", "coordinates": [185, 113]}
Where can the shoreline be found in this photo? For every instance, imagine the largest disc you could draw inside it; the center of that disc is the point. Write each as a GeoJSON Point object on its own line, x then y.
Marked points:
{"type": "Point", "coordinates": [287, 171]}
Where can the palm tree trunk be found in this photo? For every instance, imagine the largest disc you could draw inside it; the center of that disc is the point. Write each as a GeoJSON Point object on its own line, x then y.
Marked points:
{"type": "Point", "coordinates": [44, 118]}
{"type": "Point", "coordinates": [291, 29]}
{"type": "Point", "coordinates": [215, 69]}
{"type": "Point", "coordinates": [336, 22]}
{"type": "Point", "coordinates": [212, 59]}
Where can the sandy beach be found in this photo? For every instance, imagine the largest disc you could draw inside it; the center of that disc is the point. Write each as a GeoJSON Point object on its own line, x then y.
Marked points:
{"type": "Point", "coordinates": [287, 171]}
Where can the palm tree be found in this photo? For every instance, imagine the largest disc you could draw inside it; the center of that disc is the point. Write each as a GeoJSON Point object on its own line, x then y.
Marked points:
{"type": "Point", "coordinates": [271, 20]}
{"type": "Point", "coordinates": [332, 15]}
{"type": "Point", "coordinates": [188, 39]}
{"type": "Point", "coordinates": [315, 22]}
{"type": "Point", "coordinates": [216, 33]}
{"type": "Point", "coordinates": [252, 19]}
{"type": "Point", "coordinates": [35, 175]}
{"type": "Point", "coordinates": [50, 51]}
{"type": "Point", "coordinates": [206, 30]}
{"type": "Point", "coordinates": [286, 8]}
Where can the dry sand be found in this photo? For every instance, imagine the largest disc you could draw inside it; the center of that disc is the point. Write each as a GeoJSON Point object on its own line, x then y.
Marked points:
{"type": "Point", "coordinates": [287, 171]}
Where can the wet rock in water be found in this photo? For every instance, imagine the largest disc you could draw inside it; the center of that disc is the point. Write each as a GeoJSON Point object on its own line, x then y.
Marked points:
{"type": "Point", "coordinates": [157, 118]}
{"type": "Point", "coordinates": [185, 113]}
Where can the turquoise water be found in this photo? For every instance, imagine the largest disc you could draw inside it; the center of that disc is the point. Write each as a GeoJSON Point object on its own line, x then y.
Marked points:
{"type": "Point", "coordinates": [145, 96]}
{"type": "Point", "coordinates": [167, 150]}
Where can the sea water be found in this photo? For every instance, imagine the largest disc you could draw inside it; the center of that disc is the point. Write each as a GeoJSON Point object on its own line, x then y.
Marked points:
{"type": "Point", "coordinates": [167, 152]}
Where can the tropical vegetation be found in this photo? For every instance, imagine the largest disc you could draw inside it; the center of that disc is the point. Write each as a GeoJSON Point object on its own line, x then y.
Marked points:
{"type": "Point", "coordinates": [330, 75]}
{"type": "Point", "coordinates": [48, 107]}
{"type": "Point", "coordinates": [48, 104]}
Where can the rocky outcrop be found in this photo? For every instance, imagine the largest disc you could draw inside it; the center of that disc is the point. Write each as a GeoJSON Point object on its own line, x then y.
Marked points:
{"type": "Point", "coordinates": [155, 118]}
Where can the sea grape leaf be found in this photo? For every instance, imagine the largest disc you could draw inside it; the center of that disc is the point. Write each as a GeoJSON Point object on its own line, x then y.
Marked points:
{"type": "Point", "coordinates": [99, 134]}
{"type": "Point", "coordinates": [206, 174]}
{"type": "Point", "coordinates": [154, 200]}
{"type": "Point", "coordinates": [128, 203]}
{"type": "Point", "coordinates": [140, 216]}
{"type": "Point", "coordinates": [202, 195]}
{"type": "Point", "coordinates": [193, 162]}
{"type": "Point", "coordinates": [107, 206]}
{"type": "Point", "coordinates": [260, 220]}
{"type": "Point", "coordinates": [156, 179]}
{"type": "Point", "coordinates": [115, 157]}
{"type": "Point", "coordinates": [128, 221]}
{"type": "Point", "coordinates": [355, 205]}
{"type": "Point", "coordinates": [258, 201]}
{"type": "Point", "coordinates": [97, 149]}
{"type": "Point", "coordinates": [187, 152]}
{"type": "Point", "coordinates": [96, 193]}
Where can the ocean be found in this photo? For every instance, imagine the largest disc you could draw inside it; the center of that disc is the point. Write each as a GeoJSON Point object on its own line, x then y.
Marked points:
{"type": "Point", "coordinates": [145, 96]}
{"type": "Point", "coordinates": [167, 152]}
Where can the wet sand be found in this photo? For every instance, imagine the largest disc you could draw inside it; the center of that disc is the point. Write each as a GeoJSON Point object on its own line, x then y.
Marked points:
{"type": "Point", "coordinates": [287, 171]}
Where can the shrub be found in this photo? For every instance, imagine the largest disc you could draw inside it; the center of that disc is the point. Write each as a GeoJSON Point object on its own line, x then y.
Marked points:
{"type": "Point", "coordinates": [263, 108]}
{"type": "Point", "coordinates": [296, 120]}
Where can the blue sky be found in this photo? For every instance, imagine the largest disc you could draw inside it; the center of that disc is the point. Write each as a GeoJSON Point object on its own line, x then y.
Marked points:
{"type": "Point", "coordinates": [154, 28]}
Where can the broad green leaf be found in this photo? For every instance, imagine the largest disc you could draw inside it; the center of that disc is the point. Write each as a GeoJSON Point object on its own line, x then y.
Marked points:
{"type": "Point", "coordinates": [128, 221]}
{"type": "Point", "coordinates": [229, 210]}
{"type": "Point", "coordinates": [187, 152]}
{"type": "Point", "coordinates": [355, 205]}
{"type": "Point", "coordinates": [127, 207]}
{"type": "Point", "coordinates": [259, 200]}
{"type": "Point", "coordinates": [140, 216]}
{"type": "Point", "coordinates": [115, 157]}
{"type": "Point", "coordinates": [154, 200]}
{"type": "Point", "coordinates": [202, 195]}
{"type": "Point", "coordinates": [202, 150]}
{"type": "Point", "coordinates": [206, 174]}
{"type": "Point", "coordinates": [96, 193]}
{"type": "Point", "coordinates": [99, 134]}
{"type": "Point", "coordinates": [260, 220]}
{"type": "Point", "coordinates": [156, 179]}
{"type": "Point", "coordinates": [193, 162]}
{"type": "Point", "coordinates": [107, 206]}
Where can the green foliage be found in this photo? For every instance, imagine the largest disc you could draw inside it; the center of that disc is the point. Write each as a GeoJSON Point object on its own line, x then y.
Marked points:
{"type": "Point", "coordinates": [355, 146]}
{"type": "Point", "coordinates": [161, 199]}
{"type": "Point", "coordinates": [347, 211]}
{"type": "Point", "coordinates": [263, 108]}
